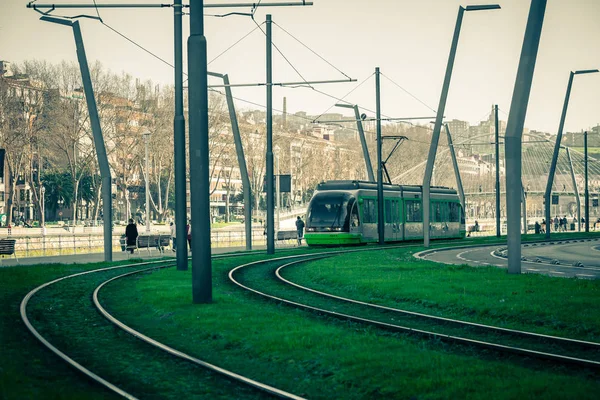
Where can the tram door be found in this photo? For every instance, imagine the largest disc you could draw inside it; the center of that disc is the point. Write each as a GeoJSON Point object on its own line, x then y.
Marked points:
{"type": "Point", "coordinates": [392, 220]}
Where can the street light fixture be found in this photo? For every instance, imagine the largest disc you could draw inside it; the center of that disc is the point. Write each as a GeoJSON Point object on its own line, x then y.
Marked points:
{"type": "Point", "coordinates": [146, 135]}
{"type": "Point", "coordinates": [557, 146]}
{"type": "Point", "coordinates": [96, 130]}
{"type": "Point", "coordinates": [440, 115]}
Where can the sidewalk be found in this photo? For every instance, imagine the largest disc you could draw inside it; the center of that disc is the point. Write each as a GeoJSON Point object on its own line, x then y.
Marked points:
{"type": "Point", "coordinates": [143, 254]}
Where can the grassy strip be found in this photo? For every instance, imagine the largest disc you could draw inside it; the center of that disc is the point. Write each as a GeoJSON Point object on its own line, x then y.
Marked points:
{"type": "Point", "coordinates": [319, 357]}
{"type": "Point", "coordinates": [532, 302]}
{"type": "Point", "coordinates": [27, 369]}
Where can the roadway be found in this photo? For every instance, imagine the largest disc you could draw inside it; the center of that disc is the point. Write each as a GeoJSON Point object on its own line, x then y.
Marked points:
{"type": "Point", "coordinates": [556, 259]}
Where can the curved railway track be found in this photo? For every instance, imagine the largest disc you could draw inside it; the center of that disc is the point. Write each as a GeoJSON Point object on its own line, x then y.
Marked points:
{"type": "Point", "coordinates": [283, 262]}
{"type": "Point", "coordinates": [95, 296]}
{"type": "Point", "coordinates": [463, 332]}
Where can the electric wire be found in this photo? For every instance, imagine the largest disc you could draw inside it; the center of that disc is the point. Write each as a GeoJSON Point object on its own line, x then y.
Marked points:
{"type": "Point", "coordinates": [234, 44]}
{"type": "Point", "coordinates": [312, 51]}
{"type": "Point", "coordinates": [407, 92]}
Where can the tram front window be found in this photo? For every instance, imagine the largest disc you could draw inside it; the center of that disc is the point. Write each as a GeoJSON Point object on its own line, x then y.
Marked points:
{"type": "Point", "coordinates": [328, 212]}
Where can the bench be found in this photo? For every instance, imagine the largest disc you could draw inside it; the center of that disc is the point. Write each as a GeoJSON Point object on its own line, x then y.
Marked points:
{"type": "Point", "coordinates": [148, 242]}
{"type": "Point", "coordinates": [286, 235]}
{"type": "Point", "coordinates": [7, 248]}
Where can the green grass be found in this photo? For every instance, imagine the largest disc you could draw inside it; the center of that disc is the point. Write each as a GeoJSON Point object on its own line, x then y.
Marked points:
{"type": "Point", "coordinates": [319, 357]}
{"type": "Point", "coordinates": [532, 302]}
{"type": "Point", "coordinates": [297, 351]}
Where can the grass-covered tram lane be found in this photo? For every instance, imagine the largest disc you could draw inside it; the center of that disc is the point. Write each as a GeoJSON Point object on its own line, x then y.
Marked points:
{"type": "Point", "coordinates": [320, 357]}
{"type": "Point", "coordinates": [65, 315]}
{"type": "Point", "coordinates": [487, 294]}
{"type": "Point", "coordinates": [27, 369]}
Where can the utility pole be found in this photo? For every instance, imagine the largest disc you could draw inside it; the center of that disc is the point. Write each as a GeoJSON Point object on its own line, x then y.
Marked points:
{"type": "Point", "coordinates": [146, 138]}
{"type": "Point", "coordinates": [586, 192]}
{"type": "Point", "coordinates": [380, 216]}
{"type": "Point", "coordinates": [514, 131]}
{"type": "Point", "coordinates": [497, 145]}
{"type": "Point", "coordinates": [199, 165]}
{"type": "Point", "coordinates": [459, 185]}
{"type": "Point", "coordinates": [179, 144]}
{"type": "Point", "coordinates": [96, 131]}
{"type": "Point", "coordinates": [435, 137]}
{"type": "Point", "coordinates": [270, 192]}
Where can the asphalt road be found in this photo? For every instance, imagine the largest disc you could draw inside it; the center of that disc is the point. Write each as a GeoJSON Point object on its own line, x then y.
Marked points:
{"type": "Point", "coordinates": [566, 253]}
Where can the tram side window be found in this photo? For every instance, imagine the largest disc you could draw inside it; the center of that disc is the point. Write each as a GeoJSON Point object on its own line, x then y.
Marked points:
{"type": "Point", "coordinates": [436, 211]}
{"type": "Point", "coordinates": [413, 211]}
{"type": "Point", "coordinates": [369, 211]}
{"type": "Point", "coordinates": [354, 220]}
{"type": "Point", "coordinates": [454, 212]}
{"type": "Point", "coordinates": [389, 214]}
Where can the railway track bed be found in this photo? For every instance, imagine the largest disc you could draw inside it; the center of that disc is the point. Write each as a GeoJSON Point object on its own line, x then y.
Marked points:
{"type": "Point", "coordinates": [303, 354]}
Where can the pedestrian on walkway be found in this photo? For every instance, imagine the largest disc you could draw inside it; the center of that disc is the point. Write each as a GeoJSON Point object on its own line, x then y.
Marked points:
{"type": "Point", "coordinates": [188, 232]}
{"type": "Point", "coordinates": [173, 233]}
{"type": "Point", "coordinates": [300, 229]}
{"type": "Point", "coordinates": [131, 234]}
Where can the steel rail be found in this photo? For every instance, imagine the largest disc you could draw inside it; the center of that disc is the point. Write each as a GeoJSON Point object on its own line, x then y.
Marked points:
{"type": "Point", "coordinates": [55, 350]}
{"type": "Point", "coordinates": [64, 356]}
{"type": "Point", "coordinates": [437, 318]}
{"type": "Point", "coordinates": [229, 374]}
{"type": "Point", "coordinates": [399, 328]}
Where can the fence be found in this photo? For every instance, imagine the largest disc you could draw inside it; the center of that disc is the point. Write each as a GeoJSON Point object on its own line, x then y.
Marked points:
{"type": "Point", "coordinates": [69, 244]}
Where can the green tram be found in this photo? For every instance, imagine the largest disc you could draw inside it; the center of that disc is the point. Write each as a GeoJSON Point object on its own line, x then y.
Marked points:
{"type": "Point", "coordinates": [345, 213]}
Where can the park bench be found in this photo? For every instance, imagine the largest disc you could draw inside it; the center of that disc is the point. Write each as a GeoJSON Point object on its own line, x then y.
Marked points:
{"type": "Point", "coordinates": [7, 248]}
{"type": "Point", "coordinates": [147, 242]}
{"type": "Point", "coordinates": [286, 235]}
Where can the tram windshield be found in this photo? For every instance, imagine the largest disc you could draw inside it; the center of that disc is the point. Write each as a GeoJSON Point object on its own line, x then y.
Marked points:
{"type": "Point", "coordinates": [329, 212]}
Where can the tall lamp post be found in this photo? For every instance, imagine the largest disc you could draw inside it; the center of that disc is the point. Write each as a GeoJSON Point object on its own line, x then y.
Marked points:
{"type": "Point", "coordinates": [440, 116]}
{"type": "Point", "coordinates": [43, 217]}
{"type": "Point", "coordinates": [557, 146]}
{"type": "Point", "coordinates": [146, 136]}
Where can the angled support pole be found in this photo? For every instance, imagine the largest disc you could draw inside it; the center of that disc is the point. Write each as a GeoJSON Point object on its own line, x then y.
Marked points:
{"type": "Point", "coordinates": [577, 199]}
{"type": "Point", "coordinates": [514, 130]}
{"type": "Point", "coordinates": [96, 131]}
{"type": "Point", "coordinates": [363, 141]}
{"type": "Point", "coordinates": [239, 149]}
{"type": "Point", "coordinates": [461, 192]}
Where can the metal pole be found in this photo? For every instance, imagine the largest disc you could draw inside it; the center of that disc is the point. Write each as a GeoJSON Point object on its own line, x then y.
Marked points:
{"type": "Point", "coordinates": [380, 216]}
{"type": "Point", "coordinates": [270, 191]}
{"type": "Point", "coordinates": [98, 142]}
{"type": "Point", "coordinates": [363, 143]}
{"type": "Point", "coordinates": [586, 192]}
{"type": "Point", "coordinates": [497, 145]}
{"type": "Point", "coordinates": [461, 192]}
{"type": "Point", "coordinates": [179, 145]}
{"type": "Point", "coordinates": [437, 128]}
{"type": "Point", "coordinates": [550, 182]}
{"type": "Point", "coordinates": [577, 199]}
{"type": "Point", "coordinates": [524, 208]}
{"type": "Point", "coordinates": [146, 138]}
{"type": "Point", "coordinates": [242, 164]}
{"type": "Point", "coordinates": [198, 144]}
{"type": "Point", "coordinates": [514, 131]}
{"type": "Point", "coordinates": [277, 191]}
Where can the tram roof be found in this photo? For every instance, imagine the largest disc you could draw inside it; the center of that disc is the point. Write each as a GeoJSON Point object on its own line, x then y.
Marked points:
{"type": "Point", "coordinates": [355, 185]}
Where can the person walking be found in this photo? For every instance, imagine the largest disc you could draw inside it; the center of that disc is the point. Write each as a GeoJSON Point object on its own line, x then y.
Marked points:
{"type": "Point", "coordinates": [173, 238]}
{"type": "Point", "coordinates": [131, 234]}
{"type": "Point", "coordinates": [188, 232]}
{"type": "Point", "coordinates": [300, 229]}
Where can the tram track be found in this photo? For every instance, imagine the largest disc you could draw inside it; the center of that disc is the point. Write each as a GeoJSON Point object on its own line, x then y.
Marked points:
{"type": "Point", "coordinates": [528, 344]}
{"type": "Point", "coordinates": [108, 383]}
{"type": "Point", "coordinates": [256, 386]}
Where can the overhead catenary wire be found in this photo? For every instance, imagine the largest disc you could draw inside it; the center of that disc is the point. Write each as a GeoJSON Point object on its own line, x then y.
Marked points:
{"type": "Point", "coordinates": [409, 93]}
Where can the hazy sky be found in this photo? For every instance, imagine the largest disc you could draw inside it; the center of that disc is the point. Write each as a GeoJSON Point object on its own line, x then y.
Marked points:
{"type": "Point", "coordinates": [408, 40]}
